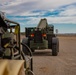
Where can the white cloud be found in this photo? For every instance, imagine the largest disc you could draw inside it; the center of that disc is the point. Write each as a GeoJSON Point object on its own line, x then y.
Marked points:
{"type": "Point", "coordinates": [51, 20]}
{"type": "Point", "coordinates": [69, 12]}
{"type": "Point", "coordinates": [24, 8]}
{"type": "Point", "coordinates": [44, 4]}
{"type": "Point", "coordinates": [61, 20]}
{"type": "Point", "coordinates": [29, 14]}
{"type": "Point", "coordinates": [19, 6]}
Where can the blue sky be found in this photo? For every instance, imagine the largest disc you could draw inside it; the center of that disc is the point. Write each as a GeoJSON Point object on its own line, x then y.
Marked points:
{"type": "Point", "coordinates": [60, 13]}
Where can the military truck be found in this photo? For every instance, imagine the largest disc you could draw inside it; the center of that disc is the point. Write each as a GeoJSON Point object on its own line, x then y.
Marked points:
{"type": "Point", "coordinates": [41, 37]}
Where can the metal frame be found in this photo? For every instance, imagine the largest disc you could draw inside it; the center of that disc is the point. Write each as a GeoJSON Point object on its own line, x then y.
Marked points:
{"type": "Point", "coordinates": [8, 24]}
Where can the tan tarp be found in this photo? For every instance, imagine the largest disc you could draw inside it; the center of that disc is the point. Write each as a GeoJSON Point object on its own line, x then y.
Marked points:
{"type": "Point", "coordinates": [42, 24]}
{"type": "Point", "coordinates": [12, 67]}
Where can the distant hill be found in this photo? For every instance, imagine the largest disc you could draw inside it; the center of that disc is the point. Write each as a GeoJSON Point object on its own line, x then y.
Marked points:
{"type": "Point", "coordinates": [62, 34]}
{"type": "Point", "coordinates": [67, 34]}
{"type": "Point", "coordinates": [22, 33]}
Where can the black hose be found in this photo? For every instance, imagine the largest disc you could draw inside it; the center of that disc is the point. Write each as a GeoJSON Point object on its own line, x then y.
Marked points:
{"type": "Point", "coordinates": [27, 48]}
{"type": "Point", "coordinates": [30, 55]}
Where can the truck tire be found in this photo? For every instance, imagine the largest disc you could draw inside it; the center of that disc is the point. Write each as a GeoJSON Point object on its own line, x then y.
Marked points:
{"type": "Point", "coordinates": [55, 46]}
{"type": "Point", "coordinates": [30, 73]}
{"type": "Point", "coordinates": [25, 41]}
{"type": "Point", "coordinates": [32, 50]}
{"type": "Point", "coordinates": [49, 38]}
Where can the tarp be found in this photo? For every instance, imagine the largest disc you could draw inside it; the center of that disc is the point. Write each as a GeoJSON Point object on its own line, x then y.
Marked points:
{"type": "Point", "coordinates": [42, 24]}
{"type": "Point", "coordinates": [12, 67]}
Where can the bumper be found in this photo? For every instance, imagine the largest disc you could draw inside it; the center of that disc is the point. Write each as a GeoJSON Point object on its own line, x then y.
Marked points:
{"type": "Point", "coordinates": [43, 45]}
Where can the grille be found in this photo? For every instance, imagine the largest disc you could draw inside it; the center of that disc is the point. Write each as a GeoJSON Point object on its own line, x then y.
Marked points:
{"type": "Point", "coordinates": [38, 37]}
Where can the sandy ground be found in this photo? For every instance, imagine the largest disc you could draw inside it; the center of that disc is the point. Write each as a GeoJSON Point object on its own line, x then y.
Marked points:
{"type": "Point", "coordinates": [63, 64]}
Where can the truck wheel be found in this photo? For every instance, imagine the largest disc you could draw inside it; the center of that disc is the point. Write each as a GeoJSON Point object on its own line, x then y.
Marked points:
{"type": "Point", "coordinates": [54, 50]}
{"type": "Point", "coordinates": [58, 45]}
{"type": "Point", "coordinates": [32, 50]}
{"type": "Point", "coordinates": [55, 46]}
{"type": "Point", "coordinates": [30, 73]}
{"type": "Point", "coordinates": [24, 49]}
